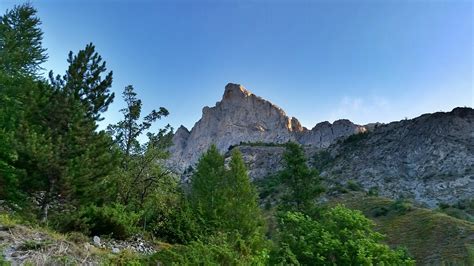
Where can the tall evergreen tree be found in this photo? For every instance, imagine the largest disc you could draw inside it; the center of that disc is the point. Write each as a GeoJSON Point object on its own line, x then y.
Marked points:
{"type": "Point", "coordinates": [21, 54]}
{"type": "Point", "coordinates": [206, 188]}
{"type": "Point", "coordinates": [127, 131]}
{"type": "Point", "coordinates": [302, 181]}
{"type": "Point", "coordinates": [84, 81]}
{"type": "Point", "coordinates": [21, 51]}
{"type": "Point", "coordinates": [225, 200]}
{"type": "Point", "coordinates": [241, 210]}
{"type": "Point", "coordinates": [141, 173]}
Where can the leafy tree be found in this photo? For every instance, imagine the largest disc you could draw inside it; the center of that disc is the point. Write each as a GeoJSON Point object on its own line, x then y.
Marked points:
{"type": "Point", "coordinates": [341, 237]}
{"type": "Point", "coordinates": [303, 182]}
{"type": "Point", "coordinates": [21, 51]}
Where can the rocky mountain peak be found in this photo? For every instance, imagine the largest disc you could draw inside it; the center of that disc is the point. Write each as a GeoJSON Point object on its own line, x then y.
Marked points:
{"type": "Point", "coordinates": [241, 116]}
{"type": "Point", "coordinates": [233, 90]}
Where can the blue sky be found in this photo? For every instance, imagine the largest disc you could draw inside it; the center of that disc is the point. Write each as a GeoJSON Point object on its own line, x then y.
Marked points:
{"type": "Point", "coordinates": [366, 61]}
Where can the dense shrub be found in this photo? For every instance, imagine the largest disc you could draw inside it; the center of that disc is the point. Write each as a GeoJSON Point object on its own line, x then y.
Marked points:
{"type": "Point", "coordinates": [113, 220]}
{"type": "Point", "coordinates": [215, 250]}
{"type": "Point", "coordinates": [322, 159]}
{"type": "Point", "coordinates": [354, 186]}
{"type": "Point", "coordinates": [340, 237]}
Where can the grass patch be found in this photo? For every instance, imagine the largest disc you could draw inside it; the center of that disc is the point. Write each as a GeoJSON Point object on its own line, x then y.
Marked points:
{"type": "Point", "coordinates": [7, 222]}
{"type": "Point", "coordinates": [432, 238]}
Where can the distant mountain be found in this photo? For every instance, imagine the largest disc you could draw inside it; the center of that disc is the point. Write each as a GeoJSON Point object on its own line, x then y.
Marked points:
{"type": "Point", "coordinates": [242, 116]}
{"type": "Point", "coordinates": [429, 159]}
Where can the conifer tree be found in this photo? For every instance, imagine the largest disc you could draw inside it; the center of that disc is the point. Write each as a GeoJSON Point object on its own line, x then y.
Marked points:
{"type": "Point", "coordinates": [302, 181]}
{"type": "Point", "coordinates": [84, 81]}
{"type": "Point", "coordinates": [225, 199]}
{"type": "Point", "coordinates": [21, 51]}
{"type": "Point", "coordinates": [206, 188]}
{"type": "Point", "coordinates": [241, 211]}
{"type": "Point", "coordinates": [140, 171]}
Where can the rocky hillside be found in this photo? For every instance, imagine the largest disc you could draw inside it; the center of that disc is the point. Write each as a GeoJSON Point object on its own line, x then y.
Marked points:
{"type": "Point", "coordinates": [432, 238]}
{"type": "Point", "coordinates": [429, 159]}
{"type": "Point", "coordinates": [242, 116]}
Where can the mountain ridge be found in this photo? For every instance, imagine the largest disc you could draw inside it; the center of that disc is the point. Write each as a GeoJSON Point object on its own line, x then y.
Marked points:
{"type": "Point", "coordinates": [241, 116]}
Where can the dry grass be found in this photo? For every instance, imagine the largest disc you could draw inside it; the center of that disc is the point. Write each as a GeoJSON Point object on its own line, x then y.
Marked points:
{"type": "Point", "coordinates": [430, 237]}
{"type": "Point", "coordinates": [38, 246]}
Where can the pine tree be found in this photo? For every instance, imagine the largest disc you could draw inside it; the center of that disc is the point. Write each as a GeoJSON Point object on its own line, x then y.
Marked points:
{"type": "Point", "coordinates": [141, 173]}
{"type": "Point", "coordinates": [21, 51]}
{"type": "Point", "coordinates": [302, 181]}
{"type": "Point", "coordinates": [83, 81]}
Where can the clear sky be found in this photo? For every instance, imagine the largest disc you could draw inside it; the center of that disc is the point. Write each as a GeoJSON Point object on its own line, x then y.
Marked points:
{"type": "Point", "coordinates": [366, 61]}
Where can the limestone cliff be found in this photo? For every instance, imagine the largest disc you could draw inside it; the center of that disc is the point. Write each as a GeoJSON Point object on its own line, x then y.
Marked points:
{"type": "Point", "coordinates": [429, 159]}
{"type": "Point", "coordinates": [242, 116]}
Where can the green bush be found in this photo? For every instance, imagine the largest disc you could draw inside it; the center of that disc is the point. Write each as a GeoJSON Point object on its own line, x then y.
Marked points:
{"type": "Point", "coordinates": [354, 186]}
{"type": "Point", "coordinates": [215, 250]}
{"type": "Point", "coordinates": [322, 159]}
{"type": "Point", "coordinates": [373, 191]}
{"type": "Point", "coordinates": [340, 237]}
{"type": "Point", "coordinates": [114, 220]}
{"type": "Point", "coordinates": [353, 139]}
{"type": "Point", "coordinates": [379, 211]}
{"type": "Point", "coordinates": [401, 206]}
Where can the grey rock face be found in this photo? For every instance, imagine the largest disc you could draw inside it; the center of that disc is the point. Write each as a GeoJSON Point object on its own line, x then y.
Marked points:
{"type": "Point", "coordinates": [324, 134]}
{"type": "Point", "coordinates": [242, 116]}
{"type": "Point", "coordinates": [429, 159]}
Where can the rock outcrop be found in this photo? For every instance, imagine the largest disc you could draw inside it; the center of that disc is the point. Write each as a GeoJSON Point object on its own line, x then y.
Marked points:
{"type": "Point", "coordinates": [242, 116]}
{"type": "Point", "coordinates": [429, 159]}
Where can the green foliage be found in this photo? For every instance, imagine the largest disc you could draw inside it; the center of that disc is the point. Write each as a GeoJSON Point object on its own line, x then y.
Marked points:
{"type": "Point", "coordinates": [140, 174]}
{"type": "Point", "coordinates": [340, 237]}
{"type": "Point", "coordinates": [322, 159]}
{"type": "Point", "coordinates": [169, 217]}
{"type": "Point", "coordinates": [206, 195]}
{"type": "Point", "coordinates": [114, 220]}
{"type": "Point", "coordinates": [269, 187]}
{"type": "Point", "coordinates": [257, 144]}
{"type": "Point", "coordinates": [356, 138]}
{"type": "Point", "coordinates": [463, 209]}
{"type": "Point", "coordinates": [241, 211]}
{"type": "Point", "coordinates": [216, 250]}
{"type": "Point", "coordinates": [430, 237]}
{"type": "Point", "coordinates": [302, 181]}
{"type": "Point", "coordinates": [125, 258]}
{"type": "Point", "coordinates": [401, 206]}
{"type": "Point", "coordinates": [84, 81]}
{"type": "Point", "coordinates": [354, 186]}
{"type": "Point", "coordinates": [7, 222]}
{"type": "Point", "coordinates": [373, 191]}
{"type": "Point", "coordinates": [21, 51]}
{"type": "Point", "coordinates": [225, 200]}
